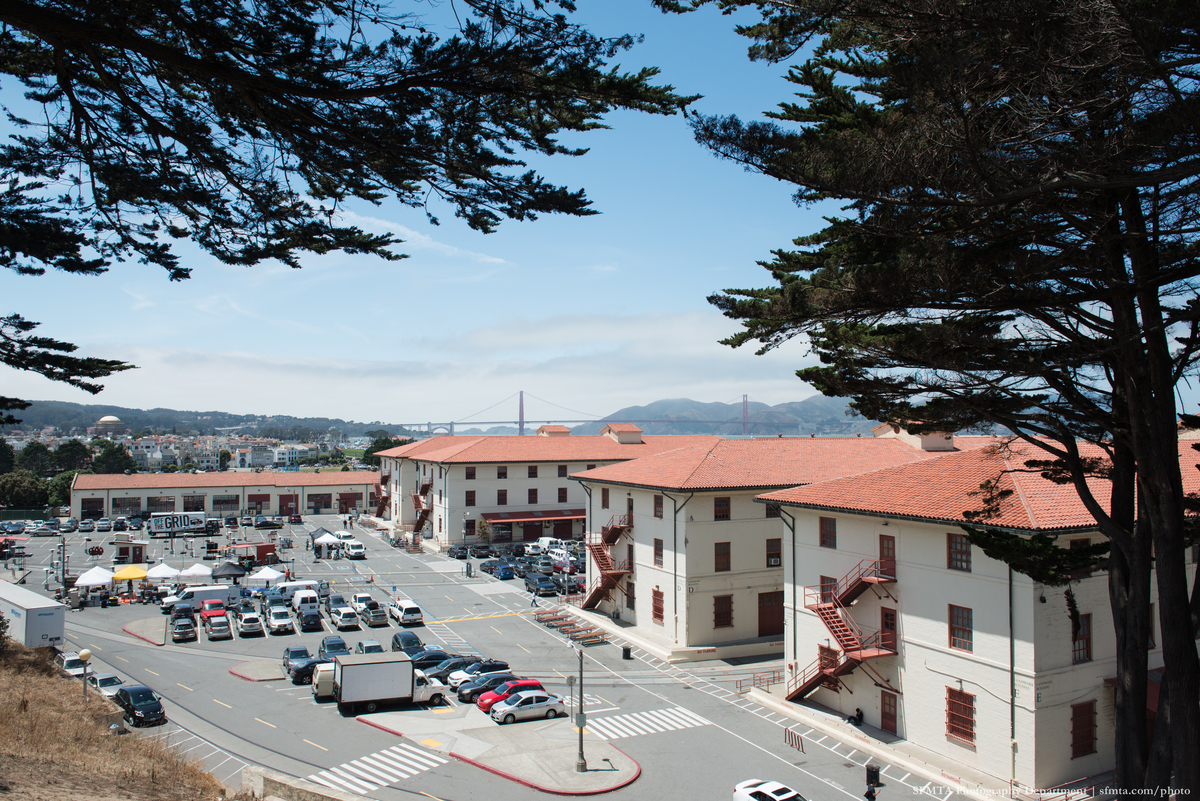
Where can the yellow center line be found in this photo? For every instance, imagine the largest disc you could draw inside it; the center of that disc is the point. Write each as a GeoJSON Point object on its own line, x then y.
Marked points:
{"type": "Point", "coordinates": [559, 672]}
{"type": "Point", "coordinates": [523, 648]}
{"type": "Point", "coordinates": [151, 672]}
{"type": "Point", "coordinates": [263, 722]}
{"type": "Point", "coordinates": [123, 659]}
{"type": "Point", "coordinates": [222, 703]}
{"type": "Point", "coordinates": [314, 745]}
{"type": "Point", "coordinates": [95, 647]}
{"type": "Point", "coordinates": [189, 689]}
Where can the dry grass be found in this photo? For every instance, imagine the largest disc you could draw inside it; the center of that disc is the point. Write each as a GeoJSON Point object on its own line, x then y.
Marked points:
{"type": "Point", "coordinates": [53, 746]}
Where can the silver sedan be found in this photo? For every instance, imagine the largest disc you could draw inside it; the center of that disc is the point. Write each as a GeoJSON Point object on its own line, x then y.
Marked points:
{"type": "Point", "coordinates": [531, 704]}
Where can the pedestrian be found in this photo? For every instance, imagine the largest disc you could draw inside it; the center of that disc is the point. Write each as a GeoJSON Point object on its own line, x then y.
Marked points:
{"type": "Point", "coordinates": [870, 793]}
{"type": "Point", "coordinates": [533, 599]}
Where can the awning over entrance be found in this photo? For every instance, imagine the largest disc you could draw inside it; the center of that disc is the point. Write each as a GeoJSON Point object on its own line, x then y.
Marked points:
{"type": "Point", "coordinates": [1153, 686]}
{"type": "Point", "coordinates": [535, 517]}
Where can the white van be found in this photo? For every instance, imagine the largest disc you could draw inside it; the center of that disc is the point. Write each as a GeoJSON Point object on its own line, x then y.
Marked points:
{"type": "Point", "coordinates": [355, 550]}
{"type": "Point", "coordinates": [289, 588]}
{"type": "Point", "coordinates": [549, 543]}
{"type": "Point", "coordinates": [305, 601]}
{"type": "Point", "coordinates": [405, 612]}
{"type": "Point", "coordinates": [533, 549]}
{"type": "Point", "coordinates": [198, 595]}
{"type": "Point", "coordinates": [560, 556]}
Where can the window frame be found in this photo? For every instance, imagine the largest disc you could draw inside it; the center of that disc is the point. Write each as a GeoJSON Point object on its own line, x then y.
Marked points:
{"type": "Point", "coordinates": [470, 499]}
{"type": "Point", "coordinates": [604, 497]}
{"type": "Point", "coordinates": [722, 611]}
{"type": "Point", "coordinates": [502, 497]}
{"type": "Point", "coordinates": [532, 495]}
{"type": "Point", "coordinates": [562, 471]}
{"type": "Point", "coordinates": [961, 621]}
{"type": "Point", "coordinates": [657, 605]}
{"type": "Point", "coordinates": [658, 552]}
{"type": "Point", "coordinates": [630, 597]}
{"type": "Point", "coordinates": [658, 506]}
{"type": "Point", "coordinates": [775, 552]}
{"type": "Point", "coordinates": [722, 507]}
{"type": "Point", "coordinates": [772, 510]}
{"type": "Point", "coordinates": [1081, 646]}
{"type": "Point", "coordinates": [532, 471]}
{"type": "Point", "coordinates": [562, 494]}
{"type": "Point", "coordinates": [722, 557]}
{"type": "Point", "coordinates": [1083, 729]}
{"type": "Point", "coordinates": [958, 552]}
{"type": "Point", "coordinates": [470, 472]}
{"type": "Point", "coordinates": [501, 472]}
{"type": "Point", "coordinates": [960, 715]}
{"type": "Point", "coordinates": [827, 532]}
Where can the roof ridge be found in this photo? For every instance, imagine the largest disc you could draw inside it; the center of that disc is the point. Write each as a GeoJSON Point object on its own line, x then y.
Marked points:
{"type": "Point", "coordinates": [1020, 492]}
{"type": "Point", "coordinates": [696, 468]}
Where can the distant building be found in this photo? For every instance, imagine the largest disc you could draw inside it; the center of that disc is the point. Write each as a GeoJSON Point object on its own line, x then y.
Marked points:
{"type": "Point", "coordinates": [108, 426]}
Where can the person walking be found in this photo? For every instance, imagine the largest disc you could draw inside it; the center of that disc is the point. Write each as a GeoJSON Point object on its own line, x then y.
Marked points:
{"type": "Point", "coordinates": [870, 793]}
{"type": "Point", "coordinates": [533, 599]}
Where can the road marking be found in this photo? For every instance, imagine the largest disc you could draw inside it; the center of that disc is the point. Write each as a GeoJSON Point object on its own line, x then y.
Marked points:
{"type": "Point", "coordinates": [151, 672]}
{"type": "Point", "coordinates": [95, 647]}
{"type": "Point", "coordinates": [123, 659]}
{"type": "Point", "coordinates": [263, 722]}
{"type": "Point", "coordinates": [523, 648]}
{"type": "Point", "coordinates": [222, 703]}
{"type": "Point", "coordinates": [314, 745]}
{"type": "Point", "coordinates": [381, 768]}
{"type": "Point", "coordinates": [189, 689]}
{"type": "Point", "coordinates": [635, 723]}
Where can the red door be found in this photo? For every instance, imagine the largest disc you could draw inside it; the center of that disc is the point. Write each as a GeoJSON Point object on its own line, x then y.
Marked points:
{"type": "Point", "coordinates": [629, 511]}
{"type": "Point", "coordinates": [770, 613]}
{"type": "Point", "coordinates": [887, 555]}
{"type": "Point", "coordinates": [887, 707]}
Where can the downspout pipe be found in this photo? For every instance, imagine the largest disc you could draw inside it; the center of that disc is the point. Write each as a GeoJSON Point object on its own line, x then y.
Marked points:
{"type": "Point", "coordinates": [677, 508]}
{"type": "Point", "coordinates": [790, 522]}
{"type": "Point", "coordinates": [1012, 683]}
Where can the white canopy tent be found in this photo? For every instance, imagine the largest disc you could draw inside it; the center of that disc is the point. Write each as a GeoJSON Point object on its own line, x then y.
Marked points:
{"type": "Point", "coordinates": [161, 572]}
{"type": "Point", "coordinates": [327, 539]}
{"type": "Point", "coordinates": [96, 577]}
{"type": "Point", "coordinates": [265, 574]}
{"type": "Point", "coordinates": [197, 571]}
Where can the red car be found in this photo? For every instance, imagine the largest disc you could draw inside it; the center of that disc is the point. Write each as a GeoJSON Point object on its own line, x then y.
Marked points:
{"type": "Point", "coordinates": [295, 519]}
{"type": "Point", "coordinates": [493, 697]}
{"type": "Point", "coordinates": [211, 609]}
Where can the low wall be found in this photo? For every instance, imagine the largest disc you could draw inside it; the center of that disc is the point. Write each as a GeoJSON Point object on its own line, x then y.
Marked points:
{"type": "Point", "coordinates": [264, 783]}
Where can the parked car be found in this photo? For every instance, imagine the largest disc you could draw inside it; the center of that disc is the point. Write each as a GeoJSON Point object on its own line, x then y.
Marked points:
{"type": "Point", "coordinates": [271, 597]}
{"type": "Point", "coordinates": [140, 705]}
{"type": "Point", "coordinates": [262, 521]}
{"type": "Point", "coordinates": [443, 669]}
{"type": "Point", "coordinates": [86, 527]}
{"type": "Point", "coordinates": [69, 526]}
{"type": "Point", "coordinates": [368, 647]}
{"type": "Point", "coordinates": [331, 647]}
{"type": "Point", "coordinates": [405, 612]}
{"type": "Point", "coordinates": [343, 617]}
{"type": "Point", "coordinates": [212, 608]}
{"type": "Point", "coordinates": [407, 642]}
{"type": "Point", "coordinates": [247, 520]}
{"type": "Point", "coordinates": [540, 584]}
{"type": "Point", "coordinates": [311, 621]}
{"type": "Point", "coordinates": [504, 571]}
{"type": "Point", "coordinates": [579, 581]}
{"type": "Point", "coordinates": [359, 600]}
{"type": "Point", "coordinates": [563, 583]}
{"type": "Point", "coordinates": [469, 691]}
{"type": "Point", "coordinates": [136, 524]}
{"type": "Point", "coordinates": [70, 663]}
{"type": "Point", "coordinates": [249, 623]}
{"type": "Point", "coordinates": [302, 673]}
{"type": "Point", "coordinates": [181, 611]}
{"type": "Point", "coordinates": [481, 551]}
{"type": "Point", "coordinates": [487, 700]}
{"type": "Point", "coordinates": [354, 550]}
{"type": "Point", "coordinates": [279, 621]}
{"type": "Point", "coordinates": [218, 628]}
{"type": "Point", "coordinates": [489, 565]}
{"type": "Point", "coordinates": [231, 521]}
{"type": "Point", "coordinates": [183, 630]}
{"type": "Point", "coordinates": [518, 549]}
{"type": "Point", "coordinates": [334, 600]}
{"type": "Point", "coordinates": [244, 606]}
{"type": "Point", "coordinates": [458, 552]}
{"type": "Point", "coordinates": [478, 669]}
{"type": "Point", "coordinates": [423, 660]}
{"type": "Point", "coordinates": [293, 655]}
{"type": "Point", "coordinates": [121, 524]}
{"type": "Point", "coordinates": [758, 790]}
{"type": "Point", "coordinates": [530, 705]}
{"type": "Point", "coordinates": [295, 519]}
{"type": "Point", "coordinates": [107, 684]}
{"type": "Point", "coordinates": [522, 568]}
{"type": "Point", "coordinates": [104, 524]}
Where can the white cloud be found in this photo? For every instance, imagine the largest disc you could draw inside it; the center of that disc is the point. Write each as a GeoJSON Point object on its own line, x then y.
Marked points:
{"type": "Point", "coordinates": [414, 240]}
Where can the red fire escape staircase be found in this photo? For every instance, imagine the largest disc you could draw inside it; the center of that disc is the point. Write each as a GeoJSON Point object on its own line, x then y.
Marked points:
{"type": "Point", "coordinates": [831, 603]}
{"type": "Point", "coordinates": [609, 573]}
{"type": "Point", "coordinates": [381, 496]}
{"type": "Point", "coordinates": [426, 485]}
{"type": "Point", "coordinates": [422, 512]}
{"type": "Point", "coordinates": [617, 525]}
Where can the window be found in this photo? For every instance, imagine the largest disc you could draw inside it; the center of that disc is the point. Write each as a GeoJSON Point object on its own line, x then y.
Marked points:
{"type": "Point", "coordinates": [721, 557]}
{"type": "Point", "coordinates": [439, 524]}
{"type": "Point", "coordinates": [958, 552]}
{"type": "Point", "coordinates": [1081, 645]}
{"type": "Point", "coordinates": [720, 508]}
{"type": "Point", "coordinates": [961, 630]}
{"type": "Point", "coordinates": [470, 472]}
{"type": "Point", "coordinates": [470, 532]}
{"type": "Point", "coordinates": [533, 471]}
{"type": "Point", "coordinates": [562, 494]}
{"type": "Point", "coordinates": [502, 471]}
{"type": "Point", "coordinates": [502, 497]}
{"type": "Point", "coordinates": [828, 532]}
{"type": "Point", "coordinates": [772, 510]}
{"type": "Point", "coordinates": [604, 497]}
{"type": "Point", "coordinates": [1083, 729]}
{"type": "Point", "coordinates": [470, 497]}
{"type": "Point", "coordinates": [191, 503]}
{"type": "Point", "coordinates": [562, 471]}
{"type": "Point", "coordinates": [658, 553]}
{"type": "Point", "coordinates": [591, 467]}
{"type": "Point", "coordinates": [656, 605]}
{"type": "Point", "coordinates": [439, 496]}
{"type": "Point", "coordinates": [629, 555]}
{"type": "Point", "coordinates": [658, 506]}
{"type": "Point", "coordinates": [828, 589]}
{"type": "Point", "coordinates": [960, 715]}
{"type": "Point", "coordinates": [774, 552]}
{"type": "Point", "coordinates": [629, 596]}
{"type": "Point", "coordinates": [439, 471]}
{"type": "Point", "coordinates": [722, 611]}
{"type": "Point", "coordinates": [533, 495]}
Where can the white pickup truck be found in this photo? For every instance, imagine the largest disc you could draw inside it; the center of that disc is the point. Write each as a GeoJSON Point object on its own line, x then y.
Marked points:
{"type": "Point", "coordinates": [359, 601]}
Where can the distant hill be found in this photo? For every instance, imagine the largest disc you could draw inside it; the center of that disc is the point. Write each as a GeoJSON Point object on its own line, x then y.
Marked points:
{"type": "Point", "coordinates": [816, 415]}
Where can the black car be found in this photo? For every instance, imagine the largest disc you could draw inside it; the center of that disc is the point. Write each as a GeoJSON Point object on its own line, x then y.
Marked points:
{"type": "Point", "coordinates": [262, 521]}
{"type": "Point", "coordinates": [481, 551]}
{"type": "Point", "coordinates": [180, 611]}
{"type": "Point", "coordinates": [540, 584]}
{"type": "Point", "coordinates": [490, 565]}
{"type": "Point", "coordinates": [425, 660]}
{"type": "Point", "coordinates": [447, 666]}
{"type": "Point", "coordinates": [242, 607]}
{"type": "Point", "coordinates": [469, 691]}
{"type": "Point", "coordinates": [563, 583]}
{"type": "Point", "coordinates": [302, 671]}
{"type": "Point", "coordinates": [136, 524]}
{"type": "Point", "coordinates": [458, 552]}
{"type": "Point", "coordinates": [294, 654]}
{"type": "Point", "coordinates": [485, 666]}
{"type": "Point", "coordinates": [408, 642]}
{"type": "Point", "coordinates": [521, 568]}
{"type": "Point", "coordinates": [140, 705]}
{"type": "Point", "coordinates": [311, 621]}
{"type": "Point", "coordinates": [331, 647]}
{"type": "Point", "coordinates": [231, 521]}
{"type": "Point", "coordinates": [269, 599]}
{"type": "Point", "coordinates": [120, 524]}
{"type": "Point", "coordinates": [518, 549]}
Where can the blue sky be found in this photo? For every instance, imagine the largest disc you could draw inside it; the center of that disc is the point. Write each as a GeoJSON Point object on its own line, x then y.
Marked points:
{"type": "Point", "coordinates": [589, 314]}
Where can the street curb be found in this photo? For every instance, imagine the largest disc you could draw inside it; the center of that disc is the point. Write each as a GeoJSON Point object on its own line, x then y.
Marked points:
{"type": "Point", "coordinates": [234, 671]}
{"type": "Point", "coordinates": [553, 790]}
{"type": "Point", "coordinates": [361, 719]}
{"type": "Point", "coordinates": [141, 636]}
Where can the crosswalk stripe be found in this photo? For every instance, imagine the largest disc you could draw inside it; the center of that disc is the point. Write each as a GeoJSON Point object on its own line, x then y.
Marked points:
{"type": "Point", "coordinates": [648, 722]}
{"type": "Point", "coordinates": [597, 727]}
{"type": "Point", "coordinates": [423, 756]}
{"type": "Point", "coordinates": [387, 768]}
{"type": "Point", "coordinates": [622, 728]}
{"type": "Point", "coordinates": [687, 713]}
{"type": "Point", "coordinates": [342, 784]}
{"type": "Point", "coordinates": [636, 720]}
{"type": "Point", "coordinates": [317, 778]}
{"type": "Point", "coordinates": [373, 773]}
{"type": "Point", "coordinates": [411, 766]}
{"type": "Point", "coordinates": [341, 770]}
{"type": "Point", "coordinates": [649, 719]}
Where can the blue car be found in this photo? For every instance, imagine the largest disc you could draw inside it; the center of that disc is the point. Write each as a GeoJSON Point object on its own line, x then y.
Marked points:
{"type": "Point", "coordinates": [503, 571]}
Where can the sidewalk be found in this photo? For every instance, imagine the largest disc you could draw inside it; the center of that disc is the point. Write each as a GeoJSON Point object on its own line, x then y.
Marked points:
{"type": "Point", "coordinates": [151, 629]}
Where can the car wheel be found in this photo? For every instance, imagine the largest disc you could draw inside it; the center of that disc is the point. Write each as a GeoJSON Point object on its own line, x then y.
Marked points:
{"type": "Point", "coordinates": [371, 706]}
{"type": "Point", "coordinates": [510, 718]}
{"type": "Point", "coordinates": [551, 714]}
{"type": "Point", "coordinates": [436, 700]}
{"type": "Point", "coordinates": [467, 698]}
{"type": "Point", "coordinates": [306, 680]}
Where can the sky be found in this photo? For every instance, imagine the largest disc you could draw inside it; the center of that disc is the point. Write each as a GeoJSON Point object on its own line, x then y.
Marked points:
{"type": "Point", "coordinates": [585, 315]}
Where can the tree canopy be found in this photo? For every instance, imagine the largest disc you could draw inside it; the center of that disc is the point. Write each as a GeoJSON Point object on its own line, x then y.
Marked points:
{"type": "Point", "coordinates": [114, 458]}
{"type": "Point", "coordinates": [381, 443]}
{"type": "Point", "coordinates": [1017, 247]}
{"type": "Point", "coordinates": [247, 127]}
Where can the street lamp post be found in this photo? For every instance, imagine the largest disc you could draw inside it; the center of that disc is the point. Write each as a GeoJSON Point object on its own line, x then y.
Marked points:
{"type": "Point", "coordinates": [580, 717]}
{"type": "Point", "coordinates": [84, 656]}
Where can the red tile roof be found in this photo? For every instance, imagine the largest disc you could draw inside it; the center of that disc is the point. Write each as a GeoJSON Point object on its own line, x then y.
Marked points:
{"type": "Point", "coordinates": [941, 489]}
{"type": "Point", "coordinates": [503, 450]}
{"type": "Point", "coordinates": [623, 427]}
{"type": "Point", "coordinates": [765, 462]}
{"type": "Point", "coordinates": [326, 478]}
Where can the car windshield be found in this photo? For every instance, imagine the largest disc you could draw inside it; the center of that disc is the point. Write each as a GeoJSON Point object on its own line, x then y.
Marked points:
{"type": "Point", "coordinates": [298, 652]}
{"type": "Point", "coordinates": [109, 681]}
{"type": "Point", "coordinates": [142, 698]}
{"type": "Point", "coordinates": [73, 663]}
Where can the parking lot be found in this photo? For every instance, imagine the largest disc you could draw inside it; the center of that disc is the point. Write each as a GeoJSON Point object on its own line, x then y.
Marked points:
{"type": "Point", "coordinates": [686, 729]}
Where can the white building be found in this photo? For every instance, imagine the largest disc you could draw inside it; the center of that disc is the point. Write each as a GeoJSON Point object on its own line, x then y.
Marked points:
{"type": "Point", "coordinates": [888, 608]}
{"type": "Point", "coordinates": [443, 487]}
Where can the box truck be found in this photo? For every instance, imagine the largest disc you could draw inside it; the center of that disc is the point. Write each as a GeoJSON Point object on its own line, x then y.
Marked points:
{"type": "Point", "coordinates": [368, 680]}
{"type": "Point", "coordinates": [33, 620]}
